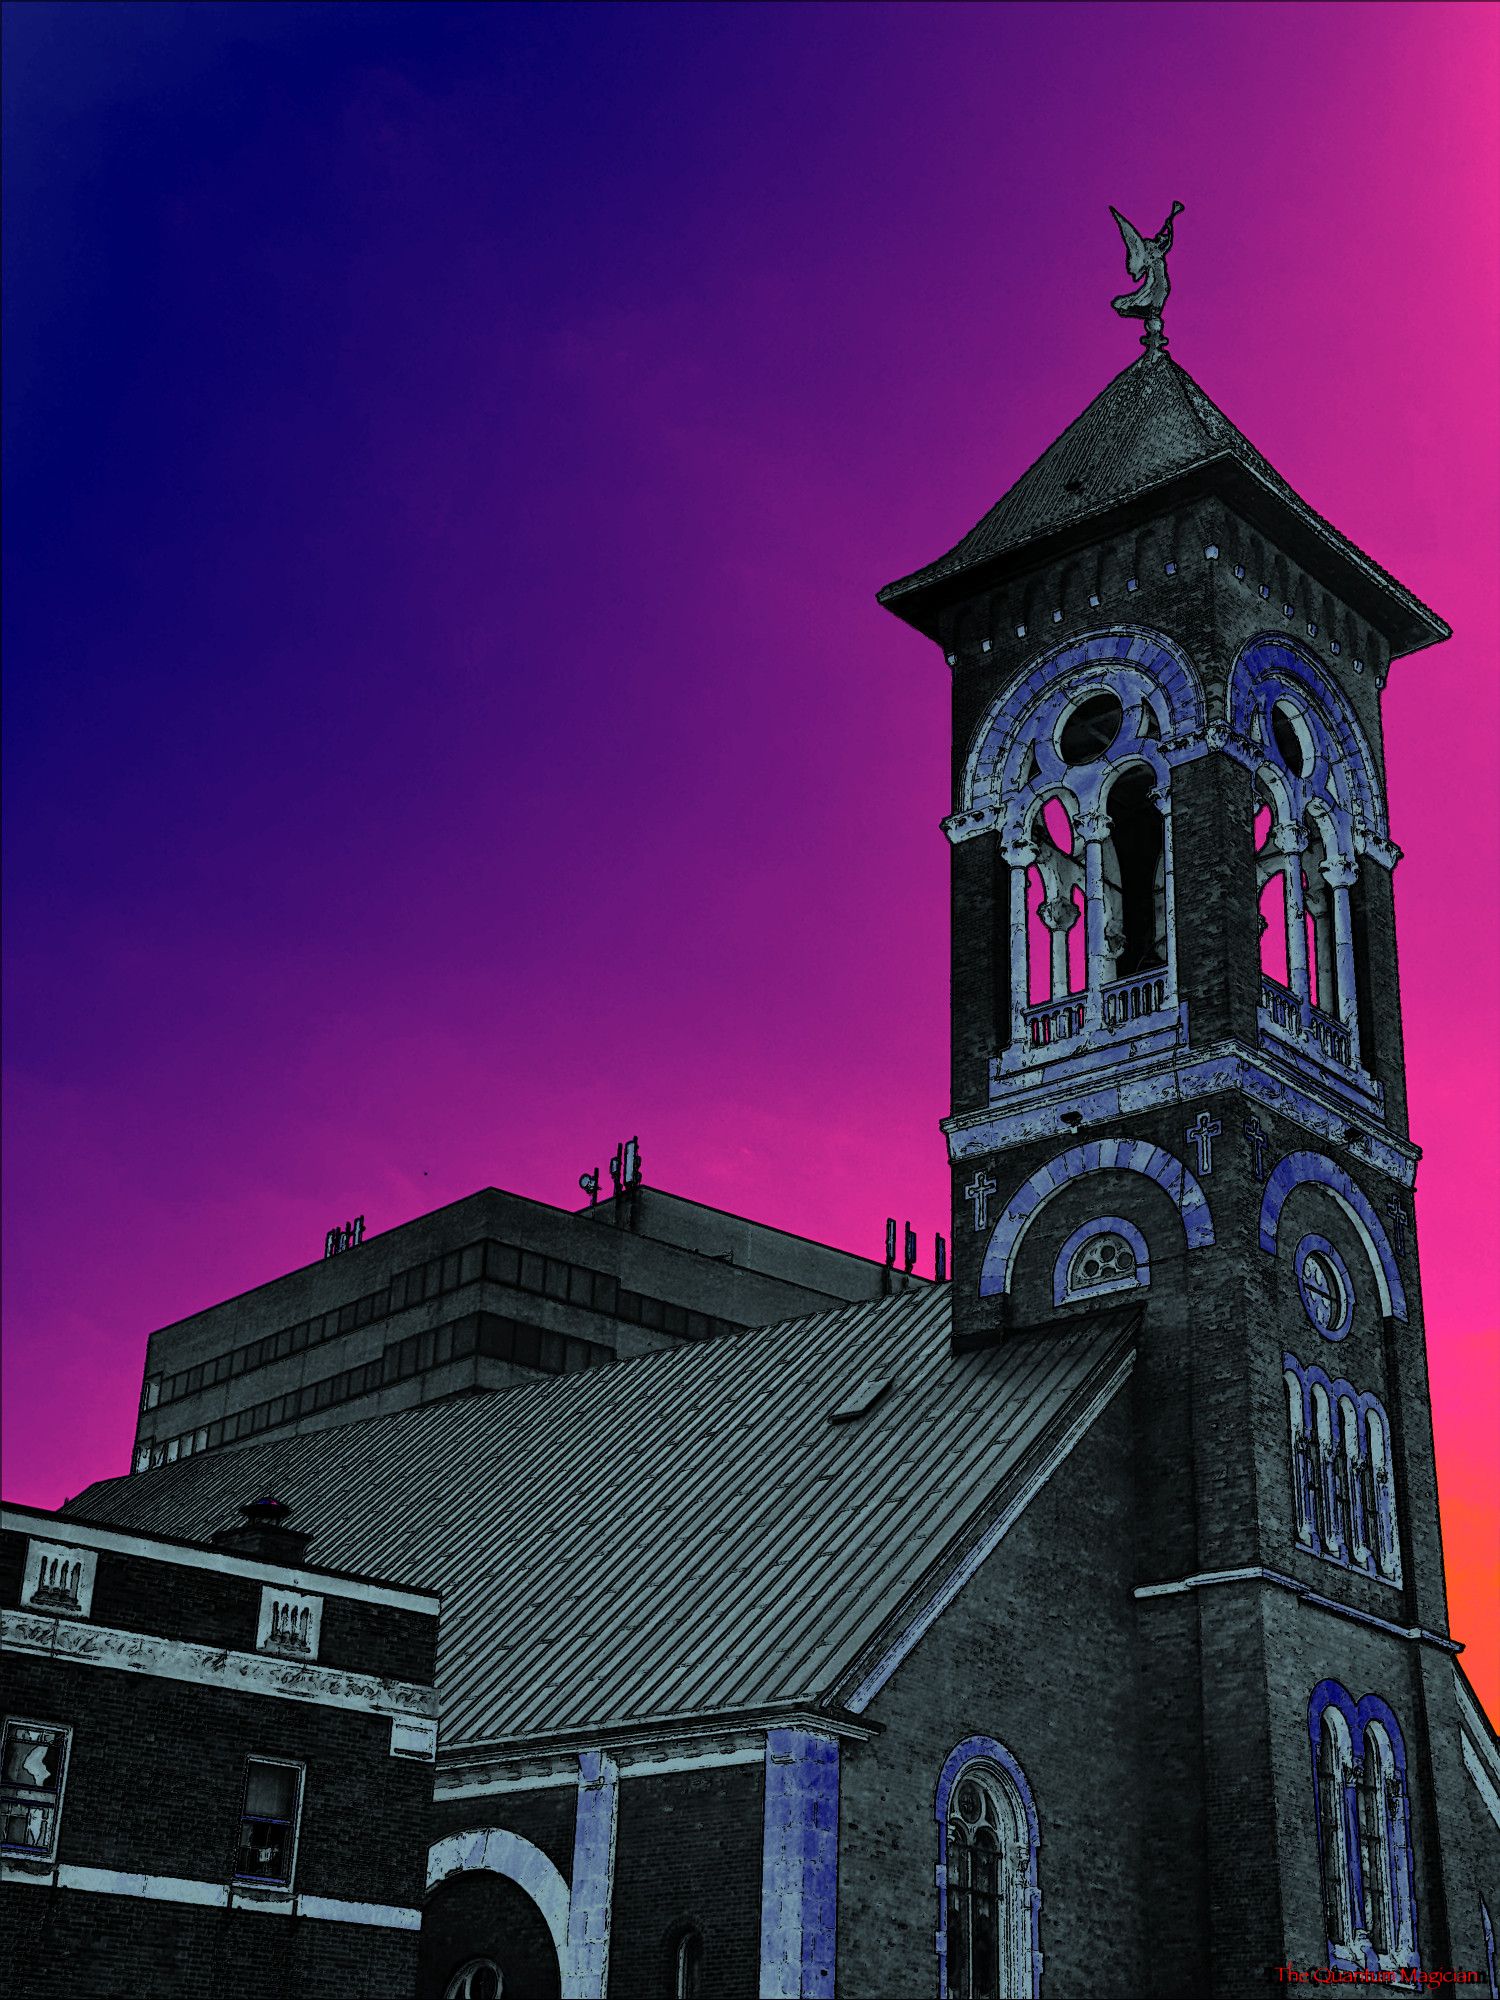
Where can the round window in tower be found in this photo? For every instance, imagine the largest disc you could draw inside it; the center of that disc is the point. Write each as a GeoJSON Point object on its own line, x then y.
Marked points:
{"type": "Point", "coordinates": [1105, 1255]}
{"type": "Point", "coordinates": [1324, 1284]}
{"type": "Point", "coordinates": [1090, 729]}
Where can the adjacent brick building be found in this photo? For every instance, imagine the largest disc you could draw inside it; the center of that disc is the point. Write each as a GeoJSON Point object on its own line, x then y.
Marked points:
{"type": "Point", "coordinates": [216, 1768]}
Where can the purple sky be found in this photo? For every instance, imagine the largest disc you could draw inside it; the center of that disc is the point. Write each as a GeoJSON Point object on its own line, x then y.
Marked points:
{"type": "Point", "coordinates": [450, 457]}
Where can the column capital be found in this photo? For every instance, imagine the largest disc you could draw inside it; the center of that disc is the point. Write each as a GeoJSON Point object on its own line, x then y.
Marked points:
{"type": "Point", "coordinates": [1060, 913]}
{"type": "Point", "coordinates": [1019, 853]}
{"type": "Point", "coordinates": [1289, 839]}
{"type": "Point", "coordinates": [1093, 826]}
{"type": "Point", "coordinates": [1341, 874]}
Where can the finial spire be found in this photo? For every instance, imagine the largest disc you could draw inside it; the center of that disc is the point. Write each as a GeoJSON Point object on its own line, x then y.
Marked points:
{"type": "Point", "coordinates": [1146, 259]}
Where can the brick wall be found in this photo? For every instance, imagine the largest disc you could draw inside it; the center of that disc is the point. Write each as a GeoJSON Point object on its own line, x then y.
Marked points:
{"type": "Point", "coordinates": [1038, 1652]}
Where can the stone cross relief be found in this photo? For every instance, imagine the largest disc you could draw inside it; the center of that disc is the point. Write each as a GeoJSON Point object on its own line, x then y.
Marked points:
{"type": "Point", "coordinates": [1202, 1134]}
{"type": "Point", "coordinates": [1256, 1140]}
{"type": "Point", "coordinates": [979, 1191]}
{"type": "Point", "coordinates": [1397, 1213]}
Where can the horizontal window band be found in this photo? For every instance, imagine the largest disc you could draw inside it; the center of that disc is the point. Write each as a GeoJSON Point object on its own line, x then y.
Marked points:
{"type": "Point", "coordinates": [488, 1261]}
{"type": "Point", "coordinates": [212, 1895]}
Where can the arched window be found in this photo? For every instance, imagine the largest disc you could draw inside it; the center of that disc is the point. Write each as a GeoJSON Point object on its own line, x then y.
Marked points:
{"type": "Point", "coordinates": [1383, 1494]}
{"type": "Point", "coordinates": [1322, 1442]}
{"type": "Point", "coordinates": [1306, 836]}
{"type": "Point", "coordinates": [1343, 1495]}
{"type": "Point", "coordinates": [989, 1867]}
{"type": "Point", "coordinates": [1335, 1780]}
{"type": "Point", "coordinates": [1304, 1475]}
{"type": "Point", "coordinates": [687, 1966]}
{"type": "Point", "coordinates": [1359, 1772]}
{"type": "Point", "coordinates": [1377, 1769]}
{"type": "Point", "coordinates": [1107, 1254]}
{"type": "Point", "coordinates": [1135, 877]}
{"type": "Point", "coordinates": [479, 1979]}
{"type": "Point", "coordinates": [1073, 771]}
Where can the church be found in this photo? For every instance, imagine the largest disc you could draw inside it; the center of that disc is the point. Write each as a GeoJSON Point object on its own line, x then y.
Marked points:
{"type": "Point", "coordinates": [1071, 1627]}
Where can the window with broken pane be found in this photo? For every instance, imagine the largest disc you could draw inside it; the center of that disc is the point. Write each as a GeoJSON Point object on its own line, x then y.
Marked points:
{"type": "Point", "coordinates": [33, 1769]}
{"type": "Point", "coordinates": [268, 1823]}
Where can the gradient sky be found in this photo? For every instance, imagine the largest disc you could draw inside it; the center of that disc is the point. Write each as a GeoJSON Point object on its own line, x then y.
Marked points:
{"type": "Point", "coordinates": [451, 454]}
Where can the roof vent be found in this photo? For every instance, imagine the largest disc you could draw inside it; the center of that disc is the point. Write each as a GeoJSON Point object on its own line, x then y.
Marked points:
{"type": "Point", "coordinates": [263, 1532]}
{"type": "Point", "coordinates": [863, 1399]}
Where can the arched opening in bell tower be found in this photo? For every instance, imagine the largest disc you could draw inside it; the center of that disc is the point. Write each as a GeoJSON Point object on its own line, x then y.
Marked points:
{"type": "Point", "coordinates": [1135, 877]}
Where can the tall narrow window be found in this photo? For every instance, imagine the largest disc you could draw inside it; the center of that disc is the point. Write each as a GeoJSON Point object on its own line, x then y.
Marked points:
{"type": "Point", "coordinates": [1335, 1772]}
{"type": "Point", "coordinates": [33, 1771]}
{"type": "Point", "coordinates": [1383, 1529]}
{"type": "Point", "coordinates": [988, 1929]}
{"type": "Point", "coordinates": [1376, 1772]}
{"type": "Point", "coordinates": [1135, 910]}
{"type": "Point", "coordinates": [268, 1824]}
{"type": "Point", "coordinates": [687, 1983]}
{"type": "Point", "coordinates": [1304, 1477]}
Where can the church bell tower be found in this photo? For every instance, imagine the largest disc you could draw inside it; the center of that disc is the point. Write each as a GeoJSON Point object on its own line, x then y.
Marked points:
{"type": "Point", "coordinates": [1178, 1091]}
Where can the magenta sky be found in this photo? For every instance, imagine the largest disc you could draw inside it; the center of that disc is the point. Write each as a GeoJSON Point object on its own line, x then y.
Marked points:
{"type": "Point", "coordinates": [451, 455]}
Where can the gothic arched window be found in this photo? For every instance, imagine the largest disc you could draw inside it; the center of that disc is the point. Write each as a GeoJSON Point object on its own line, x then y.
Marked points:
{"type": "Point", "coordinates": [1073, 771]}
{"type": "Point", "coordinates": [1343, 1493]}
{"type": "Point", "coordinates": [1309, 821]}
{"type": "Point", "coordinates": [1359, 1775]}
{"type": "Point", "coordinates": [988, 1874]}
{"type": "Point", "coordinates": [1335, 1783]}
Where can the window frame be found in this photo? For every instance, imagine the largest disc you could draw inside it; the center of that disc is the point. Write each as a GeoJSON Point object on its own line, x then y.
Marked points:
{"type": "Point", "coordinates": [1064, 1294]}
{"type": "Point", "coordinates": [264, 1884]}
{"type": "Point", "coordinates": [13, 1795]}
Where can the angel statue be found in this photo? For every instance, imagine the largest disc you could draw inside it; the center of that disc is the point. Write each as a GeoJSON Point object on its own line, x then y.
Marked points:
{"type": "Point", "coordinates": [1146, 259]}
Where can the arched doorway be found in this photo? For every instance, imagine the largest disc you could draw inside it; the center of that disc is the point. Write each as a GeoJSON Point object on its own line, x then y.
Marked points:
{"type": "Point", "coordinates": [494, 1900]}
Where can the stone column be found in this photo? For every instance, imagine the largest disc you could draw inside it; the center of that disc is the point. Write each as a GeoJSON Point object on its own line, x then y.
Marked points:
{"type": "Point", "coordinates": [1341, 877]}
{"type": "Point", "coordinates": [1291, 841]}
{"type": "Point", "coordinates": [799, 1866]}
{"type": "Point", "coordinates": [1059, 914]}
{"type": "Point", "coordinates": [1093, 829]}
{"type": "Point", "coordinates": [1019, 855]}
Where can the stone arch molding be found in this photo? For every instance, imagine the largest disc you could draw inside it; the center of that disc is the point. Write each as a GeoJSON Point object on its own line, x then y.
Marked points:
{"type": "Point", "coordinates": [1344, 783]}
{"type": "Point", "coordinates": [1316, 1170]}
{"type": "Point", "coordinates": [497, 1851]}
{"type": "Point", "coordinates": [1131, 1156]}
{"type": "Point", "coordinates": [1140, 666]}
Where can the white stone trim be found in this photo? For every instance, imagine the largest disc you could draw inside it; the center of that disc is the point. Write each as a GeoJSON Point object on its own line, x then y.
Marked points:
{"type": "Point", "coordinates": [495, 1850]}
{"type": "Point", "coordinates": [1480, 1776]}
{"type": "Point", "coordinates": [285, 1612]}
{"type": "Point", "coordinates": [86, 1535]}
{"type": "Point", "coordinates": [641, 1767]}
{"type": "Point", "coordinates": [334, 1910]}
{"type": "Point", "coordinates": [1106, 1089]}
{"type": "Point", "coordinates": [1206, 1578]}
{"type": "Point", "coordinates": [954, 1582]}
{"type": "Point", "coordinates": [1479, 1745]}
{"type": "Point", "coordinates": [210, 1895]}
{"type": "Point", "coordinates": [211, 1666]}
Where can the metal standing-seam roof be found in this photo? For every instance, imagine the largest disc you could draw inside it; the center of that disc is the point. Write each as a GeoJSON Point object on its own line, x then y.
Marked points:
{"type": "Point", "coordinates": [684, 1533]}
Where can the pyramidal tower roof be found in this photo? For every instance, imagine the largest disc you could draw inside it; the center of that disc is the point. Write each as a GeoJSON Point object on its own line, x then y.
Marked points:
{"type": "Point", "coordinates": [1151, 440]}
